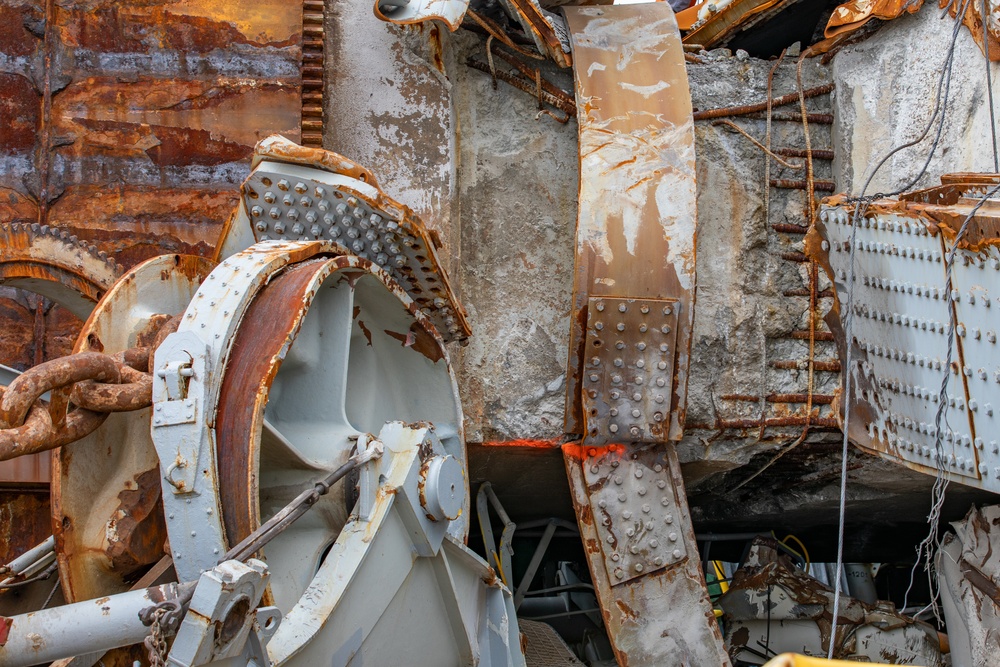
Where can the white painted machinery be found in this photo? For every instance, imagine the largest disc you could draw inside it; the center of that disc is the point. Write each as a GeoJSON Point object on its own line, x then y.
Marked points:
{"type": "Point", "coordinates": [266, 463]}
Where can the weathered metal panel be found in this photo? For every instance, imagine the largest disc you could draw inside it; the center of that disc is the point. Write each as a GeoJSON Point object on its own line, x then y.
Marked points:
{"type": "Point", "coordinates": [636, 221]}
{"type": "Point", "coordinates": [968, 570]}
{"type": "Point", "coordinates": [900, 328]}
{"type": "Point", "coordinates": [632, 511]}
{"type": "Point", "coordinates": [393, 110]}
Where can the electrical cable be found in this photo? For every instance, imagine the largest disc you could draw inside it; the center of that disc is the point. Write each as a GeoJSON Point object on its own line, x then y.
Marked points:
{"type": "Point", "coordinates": [989, 87]}
{"type": "Point", "coordinates": [861, 205]}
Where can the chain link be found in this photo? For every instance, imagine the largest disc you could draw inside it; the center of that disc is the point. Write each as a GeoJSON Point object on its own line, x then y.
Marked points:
{"type": "Point", "coordinates": [83, 389]}
{"type": "Point", "coordinates": [163, 619]}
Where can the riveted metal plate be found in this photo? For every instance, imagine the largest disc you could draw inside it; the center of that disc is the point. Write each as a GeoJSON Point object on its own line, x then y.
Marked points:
{"type": "Point", "coordinates": [635, 515]}
{"type": "Point", "coordinates": [900, 332]}
{"type": "Point", "coordinates": [292, 202]}
{"type": "Point", "coordinates": [631, 346]}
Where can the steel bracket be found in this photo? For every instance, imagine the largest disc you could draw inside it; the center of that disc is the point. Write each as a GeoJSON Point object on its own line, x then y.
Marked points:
{"type": "Point", "coordinates": [181, 357]}
{"type": "Point", "coordinates": [221, 617]}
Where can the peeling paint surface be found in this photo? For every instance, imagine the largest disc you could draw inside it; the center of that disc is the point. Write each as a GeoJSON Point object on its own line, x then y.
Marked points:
{"type": "Point", "coordinates": [129, 125]}
{"type": "Point", "coordinates": [637, 213]}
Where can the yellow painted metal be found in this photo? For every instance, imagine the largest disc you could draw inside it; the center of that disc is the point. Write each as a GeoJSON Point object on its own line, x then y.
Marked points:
{"type": "Point", "coordinates": [793, 660]}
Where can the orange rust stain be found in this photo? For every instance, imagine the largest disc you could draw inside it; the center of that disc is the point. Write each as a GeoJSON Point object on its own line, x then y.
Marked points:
{"type": "Point", "coordinates": [538, 444]}
{"type": "Point", "coordinates": [627, 611]}
{"type": "Point", "coordinates": [575, 450]}
{"type": "Point", "coordinates": [420, 340]}
{"type": "Point", "coordinates": [437, 48]}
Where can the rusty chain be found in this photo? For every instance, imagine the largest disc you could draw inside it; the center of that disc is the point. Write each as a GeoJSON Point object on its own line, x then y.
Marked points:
{"type": "Point", "coordinates": [84, 389]}
{"type": "Point", "coordinates": [163, 620]}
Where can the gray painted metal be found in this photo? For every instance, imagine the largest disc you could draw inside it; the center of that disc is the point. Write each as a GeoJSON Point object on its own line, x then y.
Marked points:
{"type": "Point", "coordinates": [635, 515]}
{"type": "Point", "coordinates": [358, 607]}
{"type": "Point", "coordinates": [83, 627]}
{"type": "Point", "coordinates": [968, 570]}
{"type": "Point", "coordinates": [299, 203]}
{"type": "Point", "coordinates": [220, 618]}
{"type": "Point", "coordinates": [189, 363]}
{"type": "Point", "coordinates": [900, 338]}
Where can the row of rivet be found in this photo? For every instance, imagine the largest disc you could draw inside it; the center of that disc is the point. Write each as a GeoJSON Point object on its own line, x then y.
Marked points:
{"type": "Point", "coordinates": [359, 229]}
{"type": "Point", "coordinates": [864, 310]}
{"type": "Point", "coordinates": [880, 223]}
{"type": "Point", "coordinates": [887, 249]}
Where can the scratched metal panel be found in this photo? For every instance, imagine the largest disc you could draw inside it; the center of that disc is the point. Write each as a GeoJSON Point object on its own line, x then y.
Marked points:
{"type": "Point", "coordinates": [900, 331]}
{"type": "Point", "coordinates": [636, 221]}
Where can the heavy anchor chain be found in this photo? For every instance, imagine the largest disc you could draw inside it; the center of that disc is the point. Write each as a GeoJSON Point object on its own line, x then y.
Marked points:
{"type": "Point", "coordinates": [84, 388]}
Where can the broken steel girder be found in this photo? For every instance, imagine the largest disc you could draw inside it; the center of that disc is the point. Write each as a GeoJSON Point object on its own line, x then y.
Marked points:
{"type": "Point", "coordinates": [636, 528]}
{"type": "Point", "coordinates": [633, 291]}
{"type": "Point", "coordinates": [546, 29]}
{"type": "Point", "coordinates": [968, 573]}
{"type": "Point", "coordinates": [309, 194]}
{"type": "Point", "coordinates": [901, 316]}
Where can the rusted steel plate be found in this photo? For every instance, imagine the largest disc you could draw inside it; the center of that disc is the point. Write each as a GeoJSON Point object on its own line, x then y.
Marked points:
{"type": "Point", "coordinates": [973, 19]}
{"type": "Point", "coordinates": [632, 511]}
{"type": "Point", "coordinates": [25, 510]}
{"type": "Point", "coordinates": [74, 276]}
{"type": "Point", "coordinates": [636, 224]}
{"type": "Point", "coordinates": [131, 123]}
{"type": "Point", "coordinates": [717, 29]}
{"type": "Point", "coordinates": [545, 29]}
{"type": "Point", "coordinates": [900, 327]}
{"type": "Point", "coordinates": [626, 382]}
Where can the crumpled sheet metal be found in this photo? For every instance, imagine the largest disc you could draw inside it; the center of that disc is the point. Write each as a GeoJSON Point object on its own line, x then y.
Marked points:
{"type": "Point", "coordinates": [713, 29]}
{"type": "Point", "coordinates": [852, 15]}
{"type": "Point", "coordinates": [637, 220]}
{"type": "Point", "coordinates": [309, 194]}
{"type": "Point", "coordinates": [546, 29]}
{"type": "Point", "coordinates": [900, 327]}
{"type": "Point", "coordinates": [410, 12]}
{"type": "Point", "coordinates": [973, 20]}
{"type": "Point", "coordinates": [128, 123]}
{"type": "Point", "coordinates": [968, 566]}
{"type": "Point", "coordinates": [769, 590]}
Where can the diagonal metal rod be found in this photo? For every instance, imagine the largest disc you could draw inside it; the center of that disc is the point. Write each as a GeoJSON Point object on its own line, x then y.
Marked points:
{"type": "Point", "coordinates": [302, 503]}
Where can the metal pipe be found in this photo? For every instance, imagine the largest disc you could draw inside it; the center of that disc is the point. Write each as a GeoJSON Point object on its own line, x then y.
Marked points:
{"type": "Point", "coordinates": [84, 627]}
{"type": "Point", "coordinates": [29, 557]}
